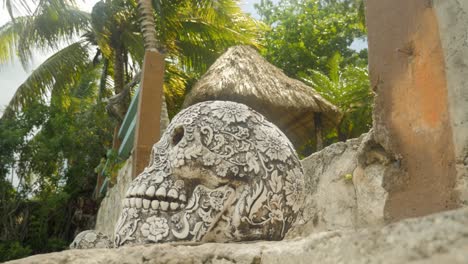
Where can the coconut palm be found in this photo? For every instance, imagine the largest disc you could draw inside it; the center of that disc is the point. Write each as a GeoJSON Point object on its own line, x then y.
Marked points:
{"type": "Point", "coordinates": [191, 34]}
{"type": "Point", "coordinates": [110, 30]}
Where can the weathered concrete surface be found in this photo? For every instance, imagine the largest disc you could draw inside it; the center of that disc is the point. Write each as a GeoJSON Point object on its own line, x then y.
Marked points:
{"type": "Point", "coordinates": [433, 239]}
{"type": "Point", "coordinates": [148, 119]}
{"type": "Point", "coordinates": [345, 186]}
{"type": "Point", "coordinates": [413, 114]}
{"type": "Point", "coordinates": [330, 200]}
{"type": "Point", "coordinates": [452, 19]}
{"type": "Point", "coordinates": [111, 205]}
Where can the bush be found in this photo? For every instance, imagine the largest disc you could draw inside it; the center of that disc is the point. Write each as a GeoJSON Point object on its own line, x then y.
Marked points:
{"type": "Point", "coordinates": [10, 250]}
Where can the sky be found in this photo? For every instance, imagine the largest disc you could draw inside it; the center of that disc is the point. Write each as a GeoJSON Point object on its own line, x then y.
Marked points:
{"type": "Point", "coordinates": [13, 74]}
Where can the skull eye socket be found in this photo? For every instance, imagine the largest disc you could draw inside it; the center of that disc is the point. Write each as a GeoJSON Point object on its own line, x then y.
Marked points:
{"type": "Point", "coordinates": [177, 135]}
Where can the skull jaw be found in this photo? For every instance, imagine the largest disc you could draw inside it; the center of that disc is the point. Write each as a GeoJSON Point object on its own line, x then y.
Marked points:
{"type": "Point", "coordinates": [192, 223]}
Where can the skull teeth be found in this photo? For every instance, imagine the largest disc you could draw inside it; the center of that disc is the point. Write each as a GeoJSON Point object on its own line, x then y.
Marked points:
{"type": "Point", "coordinates": [143, 196]}
{"type": "Point", "coordinates": [161, 192]}
{"type": "Point", "coordinates": [155, 204]}
{"type": "Point", "coordinates": [141, 190]}
{"type": "Point", "coordinates": [164, 205]}
{"type": "Point", "coordinates": [174, 206]}
{"type": "Point", "coordinates": [173, 194]}
{"type": "Point", "coordinates": [138, 202]}
{"type": "Point", "coordinates": [146, 203]}
{"type": "Point", "coordinates": [150, 191]}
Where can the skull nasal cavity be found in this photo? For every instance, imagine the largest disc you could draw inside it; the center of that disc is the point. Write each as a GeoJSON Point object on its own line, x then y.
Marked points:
{"type": "Point", "coordinates": [177, 135]}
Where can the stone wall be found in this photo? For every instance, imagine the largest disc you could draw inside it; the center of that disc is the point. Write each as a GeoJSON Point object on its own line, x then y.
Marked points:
{"type": "Point", "coordinates": [111, 205]}
{"type": "Point", "coordinates": [440, 238]}
{"type": "Point", "coordinates": [345, 186]}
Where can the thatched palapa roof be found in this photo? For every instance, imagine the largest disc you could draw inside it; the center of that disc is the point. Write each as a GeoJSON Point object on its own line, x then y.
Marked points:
{"type": "Point", "coordinates": [242, 75]}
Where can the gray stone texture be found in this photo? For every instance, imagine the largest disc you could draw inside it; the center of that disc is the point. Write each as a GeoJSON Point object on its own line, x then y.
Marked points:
{"type": "Point", "coordinates": [344, 187]}
{"type": "Point", "coordinates": [111, 205]}
{"type": "Point", "coordinates": [453, 18]}
{"type": "Point", "coordinates": [439, 238]}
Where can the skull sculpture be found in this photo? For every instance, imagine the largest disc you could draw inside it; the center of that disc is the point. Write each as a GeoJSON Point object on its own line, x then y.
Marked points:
{"type": "Point", "coordinates": [220, 173]}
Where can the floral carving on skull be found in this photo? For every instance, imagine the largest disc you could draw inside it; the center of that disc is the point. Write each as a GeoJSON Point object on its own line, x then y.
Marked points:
{"type": "Point", "coordinates": [220, 172]}
{"type": "Point", "coordinates": [155, 228]}
{"type": "Point", "coordinates": [294, 188]}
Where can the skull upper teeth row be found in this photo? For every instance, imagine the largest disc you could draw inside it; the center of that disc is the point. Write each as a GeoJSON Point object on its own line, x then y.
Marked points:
{"type": "Point", "coordinates": [161, 193]}
{"type": "Point", "coordinates": [154, 204]}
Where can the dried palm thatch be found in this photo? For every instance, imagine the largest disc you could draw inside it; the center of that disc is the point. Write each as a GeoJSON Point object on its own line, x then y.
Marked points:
{"type": "Point", "coordinates": [242, 75]}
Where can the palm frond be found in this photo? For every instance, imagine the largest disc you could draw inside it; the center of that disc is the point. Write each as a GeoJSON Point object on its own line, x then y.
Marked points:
{"type": "Point", "coordinates": [50, 28]}
{"type": "Point", "coordinates": [9, 39]}
{"type": "Point", "coordinates": [175, 84]}
{"type": "Point", "coordinates": [14, 6]}
{"type": "Point", "coordinates": [61, 69]}
{"type": "Point", "coordinates": [198, 42]}
{"type": "Point", "coordinates": [334, 67]}
{"type": "Point", "coordinates": [46, 30]}
{"type": "Point", "coordinates": [28, 7]}
{"type": "Point", "coordinates": [197, 31]}
{"type": "Point", "coordinates": [134, 45]}
{"type": "Point", "coordinates": [321, 83]}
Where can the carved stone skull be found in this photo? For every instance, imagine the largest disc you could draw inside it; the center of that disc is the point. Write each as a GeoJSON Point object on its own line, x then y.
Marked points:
{"type": "Point", "coordinates": [220, 172]}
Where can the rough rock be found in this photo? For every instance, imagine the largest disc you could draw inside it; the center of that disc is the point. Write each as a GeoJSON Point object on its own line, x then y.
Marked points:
{"type": "Point", "coordinates": [345, 185]}
{"type": "Point", "coordinates": [111, 205]}
{"type": "Point", "coordinates": [330, 201]}
{"type": "Point", "coordinates": [438, 238]}
{"type": "Point", "coordinates": [91, 239]}
{"type": "Point", "coordinates": [452, 19]}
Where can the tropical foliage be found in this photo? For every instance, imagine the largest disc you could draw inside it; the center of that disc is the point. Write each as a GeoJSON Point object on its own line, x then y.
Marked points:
{"type": "Point", "coordinates": [51, 159]}
{"type": "Point", "coordinates": [192, 34]}
{"type": "Point", "coordinates": [311, 40]}
{"type": "Point", "coordinates": [305, 34]}
{"type": "Point", "coordinates": [349, 89]}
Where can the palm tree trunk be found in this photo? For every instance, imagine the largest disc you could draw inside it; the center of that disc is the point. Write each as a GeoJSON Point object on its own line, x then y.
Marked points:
{"type": "Point", "coordinates": [103, 80]}
{"type": "Point", "coordinates": [148, 28]}
{"type": "Point", "coordinates": [119, 83]}
{"type": "Point", "coordinates": [118, 70]}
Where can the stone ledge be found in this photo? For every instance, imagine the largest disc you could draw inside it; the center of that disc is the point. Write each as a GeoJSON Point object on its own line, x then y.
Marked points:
{"type": "Point", "coordinates": [431, 239]}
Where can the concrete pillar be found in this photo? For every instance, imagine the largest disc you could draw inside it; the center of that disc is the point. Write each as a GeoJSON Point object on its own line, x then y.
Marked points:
{"type": "Point", "coordinates": [421, 101]}
{"type": "Point", "coordinates": [147, 131]}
